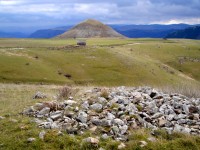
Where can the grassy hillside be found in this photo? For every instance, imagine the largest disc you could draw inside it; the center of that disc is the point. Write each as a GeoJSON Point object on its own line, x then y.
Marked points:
{"type": "Point", "coordinates": [108, 62]}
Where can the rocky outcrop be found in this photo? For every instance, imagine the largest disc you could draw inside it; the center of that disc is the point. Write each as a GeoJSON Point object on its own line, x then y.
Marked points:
{"type": "Point", "coordinates": [123, 110]}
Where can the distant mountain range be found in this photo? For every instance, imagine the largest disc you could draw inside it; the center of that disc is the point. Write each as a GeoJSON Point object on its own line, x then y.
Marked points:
{"type": "Point", "coordinates": [12, 35]}
{"type": "Point", "coordinates": [145, 31]}
{"type": "Point", "coordinates": [188, 33]}
{"type": "Point", "coordinates": [132, 31]}
{"type": "Point", "coordinates": [49, 33]}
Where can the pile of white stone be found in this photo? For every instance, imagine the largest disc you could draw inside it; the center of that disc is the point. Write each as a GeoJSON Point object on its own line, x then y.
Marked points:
{"type": "Point", "coordinates": [115, 112]}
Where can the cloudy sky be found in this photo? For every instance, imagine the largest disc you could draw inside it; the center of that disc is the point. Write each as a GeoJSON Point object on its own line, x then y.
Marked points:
{"type": "Point", "coordinates": [30, 15]}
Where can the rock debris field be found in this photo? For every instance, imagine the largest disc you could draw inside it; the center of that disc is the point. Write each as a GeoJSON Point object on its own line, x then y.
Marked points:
{"type": "Point", "coordinates": [115, 112]}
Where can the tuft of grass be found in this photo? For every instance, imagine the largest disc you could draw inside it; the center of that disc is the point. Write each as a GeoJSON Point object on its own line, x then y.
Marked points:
{"type": "Point", "coordinates": [104, 93]}
{"type": "Point", "coordinates": [190, 89]}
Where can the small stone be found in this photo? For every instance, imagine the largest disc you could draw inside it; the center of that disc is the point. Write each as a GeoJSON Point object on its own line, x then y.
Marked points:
{"type": "Point", "coordinates": [96, 121]}
{"type": "Point", "coordinates": [105, 136]}
{"type": "Point", "coordinates": [121, 146]}
{"type": "Point", "coordinates": [170, 117]}
{"type": "Point", "coordinates": [82, 116]}
{"type": "Point", "coordinates": [76, 109]}
{"type": "Point", "coordinates": [102, 100]}
{"type": "Point", "coordinates": [115, 130]}
{"type": "Point", "coordinates": [96, 107]}
{"type": "Point", "coordinates": [186, 109]}
{"type": "Point", "coordinates": [30, 140]}
{"type": "Point", "coordinates": [91, 140]}
{"type": "Point", "coordinates": [157, 115]}
{"type": "Point", "coordinates": [1, 118]}
{"type": "Point", "coordinates": [93, 129]}
{"type": "Point", "coordinates": [196, 116]}
{"type": "Point", "coordinates": [123, 129]}
{"type": "Point", "coordinates": [60, 133]}
{"type": "Point", "coordinates": [28, 111]}
{"type": "Point", "coordinates": [85, 105]}
{"type": "Point", "coordinates": [152, 139]}
{"type": "Point", "coordinates": [118, 122]}
{"type": "Point", "coordinates": [143, 143]}
{"type": "Point", "coordinates": [42, 134]}
{"type": "Point", "coordinates": [178, 128]}
{"type": "Point", "coordinates": [106, 123]}
{"type": "Point", "coordinates": [110, 116]}
{"type": "Point", "coordinates": [56, 115]}
{"type": "Point", "coordinates": [47, 125]}
{"type": "Point", "coordinates": [162, 121]}
{"type": "Point", "coordinates": [44, 111]}
{"type": "Point", "coordinates": [54, 125]}
{"type": "Point", "coordinates": [70, 102]}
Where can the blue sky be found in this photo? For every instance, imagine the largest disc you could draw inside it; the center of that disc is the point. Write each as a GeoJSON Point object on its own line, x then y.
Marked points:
{"type": "Point", "coordinates": [29, 15]}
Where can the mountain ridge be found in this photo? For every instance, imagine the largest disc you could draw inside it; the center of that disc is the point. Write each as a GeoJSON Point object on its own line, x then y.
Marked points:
{"type": "Point", "coordinates": [188, 33]}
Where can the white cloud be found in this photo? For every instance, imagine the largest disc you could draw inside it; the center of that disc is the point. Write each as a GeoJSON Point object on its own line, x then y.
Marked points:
{"type": "Point", "coordinates": [63, 12]}
{"type": "Point", "coordinates": [177, 21]}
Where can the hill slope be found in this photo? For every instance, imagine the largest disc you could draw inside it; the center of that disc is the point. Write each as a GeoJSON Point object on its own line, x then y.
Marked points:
{"type": "Point", "coordinates": [49, 33]}
{"type": "Point", "coordinates": [189, 33]}
{"type": "Point", "coordinates": [90, 28]}
{"type": "Point", "coordinates": [104, 61]}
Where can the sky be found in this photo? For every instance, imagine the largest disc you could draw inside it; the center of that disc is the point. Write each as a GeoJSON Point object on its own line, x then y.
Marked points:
{"type": "Point", "coordinates": [30, 15]}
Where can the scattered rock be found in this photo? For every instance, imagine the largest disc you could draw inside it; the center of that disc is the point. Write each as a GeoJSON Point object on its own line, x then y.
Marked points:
{"type": "Point", "coordinates": [1, 118]}
{"type": "Point", "coordinates": [56, 115]}
{"type": "Point", "coordinates": [30, 140]}
{"type": "Point", "coordinates": [143, 143]}
{"type": "Point", "coordinates": [42, 134]}
{"type": "Point", "coordinates": [70, 102]}
{"type": "Point", "coordinates": [96, 107]}
{"type": "Point", "coordinates": [105, 136]}
{"type": "Point", "coordinates": [152, 139]}
{"type": "Point", "coordinates": [121, 146]}
{"type": "Point", "coordinates": [39, 95]}
{"type": "Point", "coordinates": [44, 111]}
{"type": "Point", "coordinates": [91, 140]}
{"type": "Point", "coordinates": [162, 121]}
{"type": "Point", "coordinates": [82, 116]}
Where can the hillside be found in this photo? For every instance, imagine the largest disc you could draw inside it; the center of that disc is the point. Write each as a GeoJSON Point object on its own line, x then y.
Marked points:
{"type": "Point", "coordinates": [189, 33]}
{"type": "Point", "coordinates": [88, 29]}
{"type": "Point", "coordinates": [102, 62]}
{"type": "Point", "coordinates": [49, 33]}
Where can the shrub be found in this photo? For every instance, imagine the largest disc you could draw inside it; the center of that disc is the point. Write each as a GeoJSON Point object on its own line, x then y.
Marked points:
{"type": "Point", "coordinates": [65, 92]}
